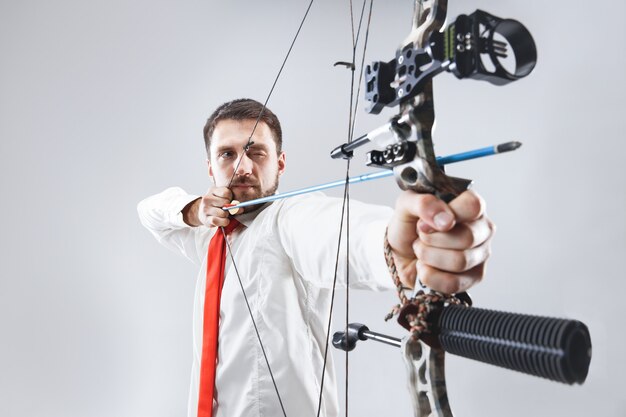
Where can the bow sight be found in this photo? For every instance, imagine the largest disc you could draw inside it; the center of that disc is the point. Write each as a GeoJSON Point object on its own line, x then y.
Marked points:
{"type": "Point", "coordinates": [469, 48]}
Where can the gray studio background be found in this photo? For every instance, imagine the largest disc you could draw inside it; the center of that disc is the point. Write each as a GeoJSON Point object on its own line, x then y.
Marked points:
{"type": "Point", "coordinates": [103, 102]}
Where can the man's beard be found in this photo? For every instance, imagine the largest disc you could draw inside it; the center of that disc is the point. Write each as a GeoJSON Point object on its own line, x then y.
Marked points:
{"type": "Point", "coordinates": [253, 194]}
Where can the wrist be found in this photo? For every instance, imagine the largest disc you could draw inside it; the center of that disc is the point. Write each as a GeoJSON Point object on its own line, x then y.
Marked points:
{"type": "Point", "coordinates": [190, 213]}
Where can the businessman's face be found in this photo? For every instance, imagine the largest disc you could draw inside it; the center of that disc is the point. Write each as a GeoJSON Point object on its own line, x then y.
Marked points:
{"type": "Point", "coordinates": [254, 173]}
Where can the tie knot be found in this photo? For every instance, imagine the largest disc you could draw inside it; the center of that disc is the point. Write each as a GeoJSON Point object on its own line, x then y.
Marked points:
{"type": "Point", "coordinates": [231, 226]}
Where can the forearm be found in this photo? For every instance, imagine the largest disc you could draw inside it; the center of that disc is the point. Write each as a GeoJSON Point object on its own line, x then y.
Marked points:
{"type": "Point", "coordinates": [162, 214]}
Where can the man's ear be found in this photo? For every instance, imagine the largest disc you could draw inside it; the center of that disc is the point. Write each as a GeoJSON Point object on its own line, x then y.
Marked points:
{"type": "Point", "coordinates": [210, 169]}
{"type": "Point", "coordinates": [281, 162]}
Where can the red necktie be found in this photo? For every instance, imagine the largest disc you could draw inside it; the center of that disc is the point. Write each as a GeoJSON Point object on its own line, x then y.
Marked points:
{"type": "Point", "coordinates": [216, 261]}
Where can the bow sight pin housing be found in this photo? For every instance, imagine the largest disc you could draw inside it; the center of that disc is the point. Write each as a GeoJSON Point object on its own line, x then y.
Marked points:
{"type": "Point", "coordinates": [476, 46]}
{"type": "Point", "coordinates": [475, 52]}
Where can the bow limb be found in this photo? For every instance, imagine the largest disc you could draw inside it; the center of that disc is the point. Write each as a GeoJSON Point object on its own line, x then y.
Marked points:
{"type": "Point", "coordinates": [428, 17]}
{"type": "Point", "coordinates": [426, 378]}
{"type": "Point", "coordinates": [423, 174]}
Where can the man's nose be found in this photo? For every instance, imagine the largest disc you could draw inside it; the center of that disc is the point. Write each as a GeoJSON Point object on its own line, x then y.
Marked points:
{"type": "Point", "coordinates": [245, 165]}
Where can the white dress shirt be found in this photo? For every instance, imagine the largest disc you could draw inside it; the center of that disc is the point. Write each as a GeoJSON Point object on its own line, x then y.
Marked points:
{"type": "Point", "coordinates": [285, 257]}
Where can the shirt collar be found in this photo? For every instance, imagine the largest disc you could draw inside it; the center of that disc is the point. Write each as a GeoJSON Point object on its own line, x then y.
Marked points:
{"type": "Point", "coordinates": [247, 218]}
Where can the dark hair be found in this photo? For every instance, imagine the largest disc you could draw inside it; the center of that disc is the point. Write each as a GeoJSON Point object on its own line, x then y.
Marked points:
{"type": "Point", "coordinates": [243, 109]}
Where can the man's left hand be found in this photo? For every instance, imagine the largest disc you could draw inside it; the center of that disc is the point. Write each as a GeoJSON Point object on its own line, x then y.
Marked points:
{"type": "Point", "coordinates": [445, 245]}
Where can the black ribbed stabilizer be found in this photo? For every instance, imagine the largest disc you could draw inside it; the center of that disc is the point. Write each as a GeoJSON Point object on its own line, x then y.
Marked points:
{"type": "Point", "coordinates": [552, 348]}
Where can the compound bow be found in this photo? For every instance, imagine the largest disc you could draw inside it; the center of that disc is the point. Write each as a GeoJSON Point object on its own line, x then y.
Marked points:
{"type": "Point", "coordinates": [471, 47]}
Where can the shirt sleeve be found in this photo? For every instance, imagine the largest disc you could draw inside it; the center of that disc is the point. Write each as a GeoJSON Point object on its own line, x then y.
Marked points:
{"type": "Point", "coordinates": [309, 230]}
{"type": "Point", "coordinates": [162, 215]}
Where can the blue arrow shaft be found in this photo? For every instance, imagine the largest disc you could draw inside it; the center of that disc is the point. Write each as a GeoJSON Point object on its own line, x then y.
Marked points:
{"type": "Point", "coordinates": [441, 161]}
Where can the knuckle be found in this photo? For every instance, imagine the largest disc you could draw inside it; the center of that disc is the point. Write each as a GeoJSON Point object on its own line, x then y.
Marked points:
{"type": "Point", "coordinates": [425, 253]}
{"type": "Point", "coordinates": [469, 205]}
{"type": "Point", "coordinates": [449, 282]}
{"type": "Point", "coordinates": [225, 192]}
{"type": "Point", "coordinates": [217, 222]}
{"type": "Point", "coordinates": [418, 203]}
{"type": "Point", "coordinates": [474, 208]}
{"type": "Point", "coordinates": [218, 192]}
{"type": "Point", "coordinates": [478, 203]}
{"type": "Point", "coordinates": [466, 238]}
{"type": "Point", "coordinates": [482, 252]}
{"type": "Point", "coordinates": [425, 200]}
{"type": "Point", "coordinates": [418, 249]}
{"type": "Point", "coordinates": [452, 286]}
{"type": "Point", "coordinates": [488, 250]}
{"type": "Point", "coordinates": [426, 238]}
{"type": "Point", "coordinates": [218, 212]}
{"type": "Point", "coordinates": [441, 281]}
{"type": "Point", "coordinates": [460, 261]}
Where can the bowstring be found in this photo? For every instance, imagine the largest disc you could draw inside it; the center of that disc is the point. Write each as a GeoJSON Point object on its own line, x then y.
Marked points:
{"type": "Point", "coordinates": [245, 150]}
{"type": "Point", "coordinates": [360, 83]}
{"type": "Point", "coordinates": [332, 302]}
{"type": "Point", "coordinates": [345, 208]}
{"type": "Point", "coordinates": [354, 101]}
{"type": "Point", "coordinates": [267, 99]}
{"type": "Point", "coordinates": [256, 329]}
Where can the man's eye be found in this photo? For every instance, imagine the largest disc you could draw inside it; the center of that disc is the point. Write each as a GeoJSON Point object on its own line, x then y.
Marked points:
{"type": "Point", "coordinates": [226, 154]}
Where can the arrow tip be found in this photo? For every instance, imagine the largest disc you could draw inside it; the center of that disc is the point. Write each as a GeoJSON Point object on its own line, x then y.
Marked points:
{"type": "Point", "coordinates": [508, 146]}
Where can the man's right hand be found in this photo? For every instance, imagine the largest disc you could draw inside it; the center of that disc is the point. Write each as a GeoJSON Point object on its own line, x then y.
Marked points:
{"type": "Point", "coordinates": [207, 210]}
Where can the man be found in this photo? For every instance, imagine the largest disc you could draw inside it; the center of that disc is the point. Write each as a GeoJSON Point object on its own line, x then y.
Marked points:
{"type": "Point", "coordinates": [285, 254]}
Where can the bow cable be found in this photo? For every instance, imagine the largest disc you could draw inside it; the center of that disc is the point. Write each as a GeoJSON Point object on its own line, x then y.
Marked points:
{"type": "Point", "coordinates": [358, 91]}
{"type": "Point", "coordinates": [245, 150]}
{"type": "Point", "coordinates": [353, 115]}
{"type": "Point", "coordinates": [345, 209]}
